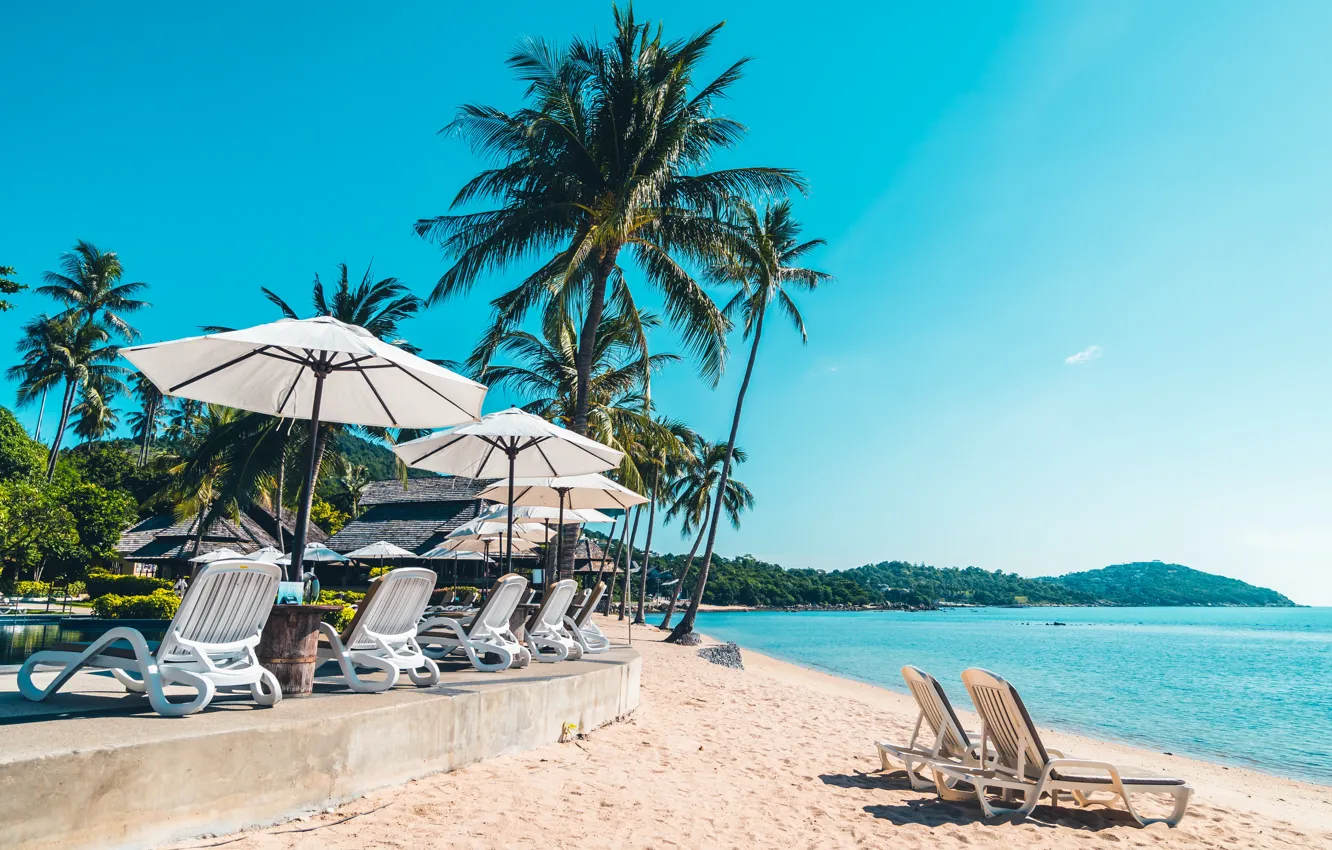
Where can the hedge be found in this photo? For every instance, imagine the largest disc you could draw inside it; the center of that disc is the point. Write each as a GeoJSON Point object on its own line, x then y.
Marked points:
{"type": "Point", "coordinates": [101, 583]}
{"type": "Point", "coordinates": [161, 604]}
{"type": "Point", "coordinates": [44, 589]}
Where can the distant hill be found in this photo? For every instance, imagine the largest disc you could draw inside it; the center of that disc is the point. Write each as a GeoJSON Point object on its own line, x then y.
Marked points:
{"type": "Point", "coordinates": [1155, 583]}
{"type": "Point", "coordinates": [917, 584]}
{"type": "Point", "coordinates": [378, 459]}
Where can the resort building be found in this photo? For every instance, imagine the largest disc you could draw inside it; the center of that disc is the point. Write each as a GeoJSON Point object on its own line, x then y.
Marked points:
{"type": "Point", "coordinates": [162, 546]}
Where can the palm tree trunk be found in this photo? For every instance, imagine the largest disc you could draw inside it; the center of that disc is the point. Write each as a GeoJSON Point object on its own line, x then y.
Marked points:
{"type": "Point", "coordinates": [199, 529]}
{"type": "Point", "coordinates": [41, 413]}
{"type": "Point", "coordinates": [647, 553]}
{"type": "Point", "coordinates": [149, 426]}
{"type": "Point", "coordinates": [601, 567]}
{"type": "Point", "coordinates": [687, 624]}
{"type": "Point", "coordinates": [587, 337]}
{"type": "Point", "coordinates": [66, 405]}
{"type": "Point", "coordinates": [628, 589]}
{"type": "Point", "coordinates": [610, 593]}
{"type": "Point", "coordinates": [684, 575]}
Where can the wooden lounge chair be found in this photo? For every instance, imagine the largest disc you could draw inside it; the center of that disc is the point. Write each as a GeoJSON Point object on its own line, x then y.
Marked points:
{"type": "Point", "coordinates": [547, 637]}
{"type": "Point", "coordinates": [208, 646]}
{"type": "Point", "coordinates": [382, 635]}
{"type": "Point", "coordinates": [580, 625]}
{"type": "Point", "coordinates": [952, 745]}
{"type": "Point", "coordinates": [486, 633]}
{"type": "Point", "coordinates": [1023, 764]}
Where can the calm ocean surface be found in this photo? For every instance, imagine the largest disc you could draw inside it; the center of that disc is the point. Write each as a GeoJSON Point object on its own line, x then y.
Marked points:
{"type": "Point", "coordinates": [1243, 686]}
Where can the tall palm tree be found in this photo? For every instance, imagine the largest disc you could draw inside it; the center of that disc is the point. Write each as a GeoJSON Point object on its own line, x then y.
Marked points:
{"type": "Point", "coordinates": [88, 284]}
{"type": "Point", "coordinates": [69, 350]}
{"type": "Point", "coordinates": [94, 416]}
{"type": "Point", "coordinates": [143, 422]}
{"type": "Point", "coordinates": [761, 262]}
{"type": "Point", "coordinates": [665, 452]}
{"type": "Point", "coordinates": [8, 287]}
{"type": "Point", "coordinates": [607, 157]}
{"type": "Point", "coordinates": [691, 495]}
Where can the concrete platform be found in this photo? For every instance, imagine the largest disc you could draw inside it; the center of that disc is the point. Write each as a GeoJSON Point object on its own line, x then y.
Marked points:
{"type": "Point", "coordinates": [95, 767]}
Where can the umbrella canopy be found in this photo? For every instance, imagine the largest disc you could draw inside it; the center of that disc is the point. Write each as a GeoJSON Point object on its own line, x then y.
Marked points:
{"type": "Point", "coordinates": [509, 443]}
{"type": "Point", "coordinates": [573, 491]}
{"type": "Point", "coordinates": [216, 555]}
{"type": "Point", "coordinates": [544, 514]}
{"type": "Point", "coordinates": [452, 554]}
{"type": "Point", "coordinates": [535, 532]}
{"type": "Point", "coordinates": [483, 544]}
{"type": "Point", "coordinates": [382, 549]}
{"type": "Point", "coordinates": [318, 369]}
{"type": "Point", "coordinates": [314, 552]}
{"type": "Point", "coordinates": [268, 555]}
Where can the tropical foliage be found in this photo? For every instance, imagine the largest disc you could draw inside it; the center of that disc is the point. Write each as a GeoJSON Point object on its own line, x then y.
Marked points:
{"type": "Point", "coordinates": [8, 287]}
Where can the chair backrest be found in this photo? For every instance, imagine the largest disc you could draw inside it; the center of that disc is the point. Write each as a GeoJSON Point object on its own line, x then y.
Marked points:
{"type": "Point", "coordinates": [468, 598]}
{"type": "Point", "coordinates": [392, 606]}
{"type": "Point", "coordinates": [937, 711]}
{"type": "Point", "coordinates": [551, 613]}
{"type": "Point", "coordinates": [1007, 723]}
{"type": "Point", "coordinates": [504, 597]}
{"type": "Point", "coordinates": [227, 602]}
{"type": "Point", "coordinates": [448, 597]}
{"type": "Point", "coordinates": [590, 603]}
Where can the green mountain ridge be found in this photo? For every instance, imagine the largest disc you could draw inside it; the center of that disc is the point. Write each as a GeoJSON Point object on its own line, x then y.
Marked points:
{"type": "Point", "coordinates": [1160, 584]}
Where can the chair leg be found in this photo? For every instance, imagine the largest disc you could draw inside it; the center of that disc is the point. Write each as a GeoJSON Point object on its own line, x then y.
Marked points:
{"type": "Point", "coordinates": [427, 679]}
{"type": "Point", "coordinates": [153, 681]}
{"type": "Point", "coordinates": [266, 692]}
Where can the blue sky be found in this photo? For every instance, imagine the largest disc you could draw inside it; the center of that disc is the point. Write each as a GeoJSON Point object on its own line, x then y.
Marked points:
{"type": "Point", "coordinates": [1003, 186]}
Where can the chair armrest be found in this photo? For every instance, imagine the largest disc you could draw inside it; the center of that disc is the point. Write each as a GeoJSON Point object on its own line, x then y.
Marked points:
{"type": "Point", "coordinates": [1060, 764]}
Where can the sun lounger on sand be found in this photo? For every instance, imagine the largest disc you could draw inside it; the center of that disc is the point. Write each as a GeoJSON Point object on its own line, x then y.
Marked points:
{"type": "Point", "coordinates": [952, 745]}
{"type": "Point", "coordinates": [382, 635]}
{"type": "Point", "coordinates": [487, 633]}
{"type": "Point", "coordinates": [546, 636]}
{"type": "Point", "coordinates": [1022, 764]}
{"type": "Point", "coordinates": [580, 625]}
{"type": "Point", "coordinates": [209, 644]}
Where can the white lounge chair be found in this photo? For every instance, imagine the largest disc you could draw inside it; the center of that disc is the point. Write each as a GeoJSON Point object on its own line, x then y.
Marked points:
{"type": "Point", "coordinates": [382, 635]}
{"type": "Point", "coordinates": [485, 633]}
{"type": "Point", "coordinates": [547, 637]}
{"type": "Point", "coordinates": [952, 745]}
{"type": "Point", "coordinates": [209, 644]}
{"type": "Point", "coordinates": [1022, 763]}
{"type": "Point", "coordinates": [580, 625]}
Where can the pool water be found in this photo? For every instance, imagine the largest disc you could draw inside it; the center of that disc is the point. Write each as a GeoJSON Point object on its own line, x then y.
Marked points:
{"type": "Point", "coordinates": [22, 636]}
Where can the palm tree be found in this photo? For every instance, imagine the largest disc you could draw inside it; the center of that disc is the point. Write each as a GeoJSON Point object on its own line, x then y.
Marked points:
{"type": "Point", "coordinates": [665, 453]}
{"type": "Point", "coordinates": [353, 478]}
{"type": "Point", "coordinates": [761, 263]}
{"type": "Point", "coordinates": [8, 287]}
{"type": "Point", "coordinates": [144, 422]}
{"type": "Point", "coordinates": [72, 350]}
{"type": "Point", "coordinates": [89, 285]}
{"type": "Point", "coordinates": [94, 417]}
{"type": "Point", "coordinates": [608, 157]}
{"type": "Point", "coordinates": [691, 493]}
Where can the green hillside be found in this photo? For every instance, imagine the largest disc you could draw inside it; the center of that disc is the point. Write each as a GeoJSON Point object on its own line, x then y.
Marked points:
{"type": "Point", "coordinates": [918, 583]}
{"type": "Point", "coordinates": [1155, 583]}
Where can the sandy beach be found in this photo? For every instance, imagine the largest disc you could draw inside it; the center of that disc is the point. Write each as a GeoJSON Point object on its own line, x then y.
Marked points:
{"type": "Point", "coordinates": [772, 756]}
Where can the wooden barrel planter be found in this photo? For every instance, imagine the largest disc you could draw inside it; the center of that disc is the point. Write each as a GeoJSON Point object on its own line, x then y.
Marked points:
{"type": "Point", "coordinates": [289, 645]}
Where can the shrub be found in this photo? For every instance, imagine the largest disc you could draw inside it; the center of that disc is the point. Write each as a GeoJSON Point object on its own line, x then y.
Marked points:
{"type": "Point", "coordinates": [332, 597]}
{"type": "Point", "coordinates": [32, 589]}
{"type": "Point", "coordinates": [158, 605]}
{"type": "Point", "coordinates": [339, 620]}
{"type": "Point", "coordinates": [460, 590]}
{"type": "Point", "coordinates": [379, 571]}
{"type": "Point", "coordinates": [100, 583]}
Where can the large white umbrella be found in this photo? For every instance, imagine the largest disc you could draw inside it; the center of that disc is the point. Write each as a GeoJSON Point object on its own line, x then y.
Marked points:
{"type": "Point", "coordinates": [510, 443]}
{"type": "Point", "coordinates": [268, 554]}
{"type": "Point", "coordinates": [216, 555]}
{"type": "Point", "coordinates": [544, 514]}
{"type": "Point", "coordinates": [318, 369]}
{"type": "Point", "coordinates": [534, 532]}
{"type": "Point", "coordinates": [571, 491]}
{"type": "Point", "coordinates": [439, 552]}
{"type": "Point", "coordinates": [382, 549]}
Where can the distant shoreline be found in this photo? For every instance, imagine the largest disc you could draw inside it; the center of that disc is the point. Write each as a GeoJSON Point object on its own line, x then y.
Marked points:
{"type": "Point", "coordinates": [802, 609]}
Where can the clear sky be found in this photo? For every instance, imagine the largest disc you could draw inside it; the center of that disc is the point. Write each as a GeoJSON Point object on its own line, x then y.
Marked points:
{"type": "Point", "coordinates": [1082, 248]}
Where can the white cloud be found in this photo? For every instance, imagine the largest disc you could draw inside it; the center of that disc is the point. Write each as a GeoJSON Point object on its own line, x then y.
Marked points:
{"type": "Point", "coordinates": [1091, 352]}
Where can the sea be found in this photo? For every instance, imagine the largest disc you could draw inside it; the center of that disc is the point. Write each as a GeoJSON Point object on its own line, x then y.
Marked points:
{"type": "Point", "coordinates": [1249, 687]}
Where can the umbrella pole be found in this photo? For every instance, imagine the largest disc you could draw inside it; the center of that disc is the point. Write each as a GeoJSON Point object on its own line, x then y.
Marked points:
{"type": "Point", "coordinates": [559, 564]}
{"type": "Point", "coordinates": [307, 499]}
{"type": "Point", "coordinates": [513, 456]}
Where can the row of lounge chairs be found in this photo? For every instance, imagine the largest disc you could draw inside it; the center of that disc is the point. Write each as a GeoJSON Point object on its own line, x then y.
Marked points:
{"type": "Point", "coordinates": [210, 643]}
{"type": "Point", "coordinates": [1008, 755]}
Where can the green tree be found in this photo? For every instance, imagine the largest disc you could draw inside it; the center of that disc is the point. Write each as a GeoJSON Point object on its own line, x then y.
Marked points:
{"type": "Point", "coordinates": [353, 478]}
{"type": "Point", "coordinates": [761, 263]}
{"type": "Point", "coordinates": [100, 516]}
{"type": "Point", "coordinates": [34, 524]}
{"type": "Point", "coordinates": [21, 457]}
{"type": "Point", "coordinates": [664, 453]}
{"type": "Point", "coordinates": [8, 287]}
{"type": "Point", "coordinates": [144, 421]}
{"type": "Point", "coordinates": [69, 350]}
{"type": "Point", "coordinates": [607, 157]}
{"type": "Point", "coordinates": [89, 285]}
{"type": "Point", "coordinates": [691, 493]}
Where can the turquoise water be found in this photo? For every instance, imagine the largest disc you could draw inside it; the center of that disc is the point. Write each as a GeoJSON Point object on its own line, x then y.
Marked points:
{"type": "Point", "coordinates": [1244, 686]}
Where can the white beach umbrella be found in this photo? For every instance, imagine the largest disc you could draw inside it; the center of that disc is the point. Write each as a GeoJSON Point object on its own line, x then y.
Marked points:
{"type": "Point", "coordinates": [318, 369]}
{"type": "Point", "coordinates": [382, 549]}
{"type": "Point", "coordinates": [216, 555]}
{"type": "Point", "coordinates": [510, 443]}
{"type": "Point", "coordinates": [440, 553]}
{"type": "Point", "coordinates": [268, 554]}
{"type": "Point", "coordinates": [571, 491]}
{"type": "Point", "coordinates": [541, 513]}
{"type": "Point", "coordinates": [535, 532]}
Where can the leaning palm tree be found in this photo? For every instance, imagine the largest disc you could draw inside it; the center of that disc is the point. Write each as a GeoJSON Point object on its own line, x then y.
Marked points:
{"type": "Point", "coordinates": [665, 451]}
{"type": "Point", "coordinates": [690, 496]}
{"type": "Point", "coordinates": [73, 351]}
{"type": "Point", "coordinates": [607, 159]}
{"type": "Point", "coordinates": [352, 479]}
{"type": "Point", "coordinates": [36, 374]}
{"type": "Point", "coordinates": [761, 262]}
{"type": "Point", "coordinates": [144, 421]}
{"type": "Point", "coordinates": [88, 284]}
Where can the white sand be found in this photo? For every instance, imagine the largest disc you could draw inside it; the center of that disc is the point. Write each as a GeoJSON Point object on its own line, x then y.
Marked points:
{"type": "Point", "coordinates": [774, 756]}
